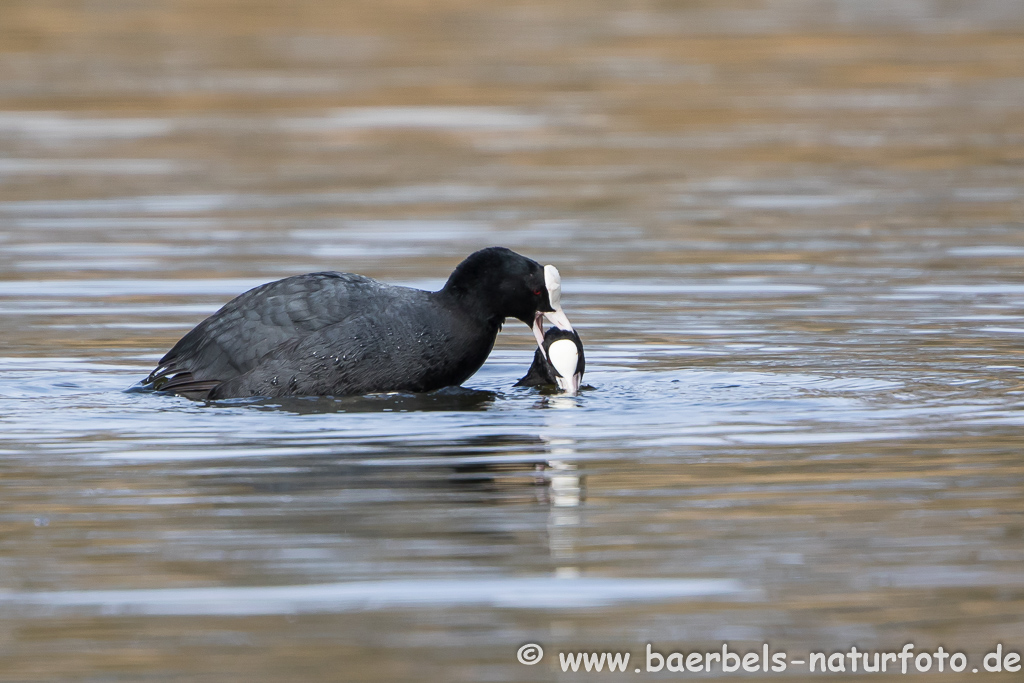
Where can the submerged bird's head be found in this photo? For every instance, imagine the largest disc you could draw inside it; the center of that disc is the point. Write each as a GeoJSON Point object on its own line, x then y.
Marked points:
{"type": "Point", "coordinates": [558, 361]}
{"type": "Point", "coordinates": [504, 284]}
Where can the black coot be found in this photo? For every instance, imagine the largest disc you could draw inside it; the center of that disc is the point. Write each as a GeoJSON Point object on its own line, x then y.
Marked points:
{"type": "Point", "coordinates": [559, 361]}
{"type": "Point", "coordinates": [336, 334]}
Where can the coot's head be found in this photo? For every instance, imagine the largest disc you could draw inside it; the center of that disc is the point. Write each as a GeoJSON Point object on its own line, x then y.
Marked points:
{"type": "Point", "coordinates": [499, 282]}
{"type": "Point", "coordinates": [558, 361]}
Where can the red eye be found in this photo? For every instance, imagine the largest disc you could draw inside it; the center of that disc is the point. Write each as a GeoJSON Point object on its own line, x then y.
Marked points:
{"type": "Point", "coordinates": [536, 292]}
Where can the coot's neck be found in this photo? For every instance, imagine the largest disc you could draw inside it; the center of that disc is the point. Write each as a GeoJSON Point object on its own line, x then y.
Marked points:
{"type": "Point", "coordinates": [472, 303]}
{"type": "Point", "coordinates": [464, 292]}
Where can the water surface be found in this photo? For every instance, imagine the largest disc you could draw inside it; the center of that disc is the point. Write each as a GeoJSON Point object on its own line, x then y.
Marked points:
{"type": "Point", "coordinates": [789, 233]}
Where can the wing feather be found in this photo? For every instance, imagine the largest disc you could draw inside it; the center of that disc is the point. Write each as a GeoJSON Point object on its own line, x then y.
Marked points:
{"type": "Point", "coordinates": [232, 341]}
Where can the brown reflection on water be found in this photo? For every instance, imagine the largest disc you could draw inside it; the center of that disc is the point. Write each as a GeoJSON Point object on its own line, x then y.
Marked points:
{"type": "Point", "coordinates": [790, 233]}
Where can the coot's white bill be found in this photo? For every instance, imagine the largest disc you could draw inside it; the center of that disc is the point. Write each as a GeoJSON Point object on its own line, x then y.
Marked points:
{"type": "Point", "coordinates": [557, 317]}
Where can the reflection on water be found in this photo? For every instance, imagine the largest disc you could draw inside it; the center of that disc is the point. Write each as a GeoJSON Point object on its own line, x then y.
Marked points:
{"type": "Point", "coordinates": [790, 231]}
{"type": "Point", "coordinates": [447, 399]}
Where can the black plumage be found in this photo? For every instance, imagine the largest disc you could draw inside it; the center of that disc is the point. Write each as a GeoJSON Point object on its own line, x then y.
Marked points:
{"type": "Point", "coordinates": [341, 334]}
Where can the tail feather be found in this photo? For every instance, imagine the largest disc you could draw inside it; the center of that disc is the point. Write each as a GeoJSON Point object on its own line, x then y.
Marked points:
{"type": "Point", "coordinates": [181, 383]}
